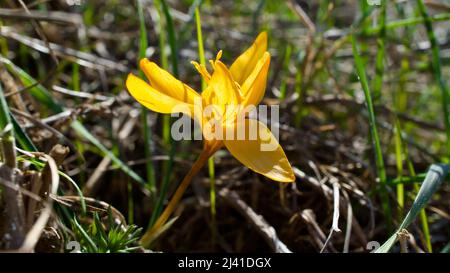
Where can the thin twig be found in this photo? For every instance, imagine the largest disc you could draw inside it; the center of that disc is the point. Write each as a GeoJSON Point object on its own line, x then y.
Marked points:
{"type": "Point", "coordinates": [266, 230]}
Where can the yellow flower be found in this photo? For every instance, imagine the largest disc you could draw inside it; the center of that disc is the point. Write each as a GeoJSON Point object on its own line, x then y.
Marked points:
{"type": "Point", "coordinates": [237, 88]}
{"type": "Point", "coordinates": [240, 86]}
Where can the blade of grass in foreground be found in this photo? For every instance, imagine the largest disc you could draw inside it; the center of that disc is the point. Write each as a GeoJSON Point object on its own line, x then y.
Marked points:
{"type": "Point", "coordinates": [436, 174]}
{"type": "Point", "coordinates": [143, 44]}
{"type": "Point", "coordinates": [436, 65]}
{"type": "Point", "coordinates": [423, 214]}
{"type": "Point", "coordinates": [374, 132]}
{"type": "Point", "coordinates": [43, 96]}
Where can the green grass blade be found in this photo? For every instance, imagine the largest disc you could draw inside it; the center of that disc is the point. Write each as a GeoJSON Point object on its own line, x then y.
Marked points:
{"type": "Point", "coordinates": [76, 77]}
{"type": "Point", "coordinates": [143, 45]}
{"type": "Point", "coordinates": [373, 130]}
{"type": "Point", "coordinates": [163, 190]}
{"type": "Point", "coordinates": [38, 91]}
{"type": "Point", "coordinates": [22, 138]}
{"type": "Point", "coordinates": [379, 64]}
{"type": "Point", "coordinates": [78, 126]}
{"type": "Point", "coordinates": [256, 14]}
{"type": "Point", "coordinates": [201, 50]}
{"type": "Point", "coordinates": [423, 215]}
{"type": "Point", "coordinates": [436, 174]}
{"type": "Point", "coordinates": [172, 38]}
{"type": "Point", "coordinates": [185, 33]}
{"type": "Point", "coordinates": [437, 71]}
{"type": "Point", "coordinates": [85, 235]}
{"type": "Point", "coordinates": [399, 155]}
{"type": "Point", "coordinates": [424, 221]}
{"type": "Point", "coordinates": [4, 110]}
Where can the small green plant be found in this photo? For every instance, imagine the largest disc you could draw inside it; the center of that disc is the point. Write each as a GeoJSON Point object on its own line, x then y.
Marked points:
{"type": "Point", "coordinates": [112, 237]}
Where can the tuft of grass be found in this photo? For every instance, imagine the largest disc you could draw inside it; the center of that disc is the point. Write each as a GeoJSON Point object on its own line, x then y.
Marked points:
{"type": "Point", "coordinates": [98, 237]}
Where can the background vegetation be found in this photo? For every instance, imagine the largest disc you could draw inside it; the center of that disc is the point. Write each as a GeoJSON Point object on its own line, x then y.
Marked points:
{"type": "Point", "coordinates": [363, 92]}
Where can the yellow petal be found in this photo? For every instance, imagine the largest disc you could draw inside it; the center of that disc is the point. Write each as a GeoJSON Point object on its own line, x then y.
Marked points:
{"type": "Point", "coordinates": [165, 83]}
{"type": "Point", "coordinates": [255, 85]}
{"type": "Point", "coordinates": [260, 151]}
{"type": "Point", "coordinates": [155, 100]}
{"type": "Point", "coordinates": [244, 64]}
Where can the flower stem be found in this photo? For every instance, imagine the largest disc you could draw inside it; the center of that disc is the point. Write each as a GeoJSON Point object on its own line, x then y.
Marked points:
{"type": "Point", "coordinates": [199, 163]}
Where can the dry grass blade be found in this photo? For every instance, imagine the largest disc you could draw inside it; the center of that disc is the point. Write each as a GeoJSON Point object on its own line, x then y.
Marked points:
{"type": "Point", "coordinates": [35, 232]}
